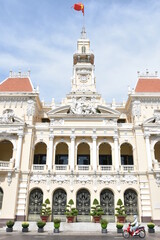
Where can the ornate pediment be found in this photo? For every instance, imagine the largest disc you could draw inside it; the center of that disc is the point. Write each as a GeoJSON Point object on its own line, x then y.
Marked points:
{"type": "Point", "coordinates": [155, 119]}
{"type": "Point", "coordinates": [8, 117]}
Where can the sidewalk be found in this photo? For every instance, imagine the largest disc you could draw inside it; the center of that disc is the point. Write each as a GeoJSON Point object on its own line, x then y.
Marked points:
{"type": "Point", "coordinates": [84, 228]}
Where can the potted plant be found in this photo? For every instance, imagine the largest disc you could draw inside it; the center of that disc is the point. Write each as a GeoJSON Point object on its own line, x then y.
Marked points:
{"type": "Point", "coordinates": [96, 211]}
{"type": "Point", "coordinates": [25, 226]}
{"type": "Point", "coordinates": [71, 212]}
{"type": "Point", "coordinates": [120, 211]}
{"type": "Point", "coordinates": [151, 227]}
{"type": "Point", "coordinates": [40, 225]}
{"type": "Point", "coordinates": [45, 210]}
{"type": "Point", "coordinates": [9, 225]}
{"type": "Point", "coordinates": [119, 227]}
{"type": "Point", "coordinates": [104, 224]}
{"type": "Point", "coordinates": [56, 225]}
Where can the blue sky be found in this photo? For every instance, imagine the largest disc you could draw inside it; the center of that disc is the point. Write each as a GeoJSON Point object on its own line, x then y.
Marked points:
{"type": "Point", "coordinates": [41, 35]}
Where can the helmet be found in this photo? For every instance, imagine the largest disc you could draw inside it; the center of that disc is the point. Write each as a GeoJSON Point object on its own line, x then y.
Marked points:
{"type": "Point", "coordinates": [135, 216]}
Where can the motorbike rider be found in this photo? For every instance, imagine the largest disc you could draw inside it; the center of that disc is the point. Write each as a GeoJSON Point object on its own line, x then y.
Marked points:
{"type": "Point", "coordinates": [134, 224]}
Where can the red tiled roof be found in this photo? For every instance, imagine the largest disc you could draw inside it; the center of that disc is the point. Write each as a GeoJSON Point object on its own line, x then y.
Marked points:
{"type": "Point", "coordinates": [16, 85]}
{"type": "Point", "coordinates": [148, 85]}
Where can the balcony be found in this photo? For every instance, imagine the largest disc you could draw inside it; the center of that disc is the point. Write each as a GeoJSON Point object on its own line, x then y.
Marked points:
{"type": "Point", "coordinates": [7, 164]}
{"type": "Point", "coordinates": [83, 167]}
{"type": "Point", "coordinates": [105, 168]}
{"type": "Point", "coordinates": [128, 168]}
{"type": "Point", "coordinates": [61, 167]}
{"type": "Point", "coordinates": [38, 167]}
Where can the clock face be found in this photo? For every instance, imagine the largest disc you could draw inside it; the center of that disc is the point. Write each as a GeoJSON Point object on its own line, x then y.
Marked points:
{"type": "Point", "coordinates": [83, 78]}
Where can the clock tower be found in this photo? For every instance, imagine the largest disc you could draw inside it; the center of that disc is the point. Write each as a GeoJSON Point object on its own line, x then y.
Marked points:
{"type": "Point", "coordinates": [83, 80]}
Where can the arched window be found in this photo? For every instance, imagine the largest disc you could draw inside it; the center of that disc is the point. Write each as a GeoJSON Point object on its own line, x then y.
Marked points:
{"type": "Point", "coordinates": [126, 154]}
{"type": "Point", "coordinates": [83, 154]}
{"type": "Point", "coordinates": [59, 203]}
{"type": "Point", "coordinates": [105, 155]}
{"type": "Point", "coordinates": [83, 49]}
{"type": "Point", "coordinates": [35, 204]}
{"type": "Point", "coordinates": [6, 150]}
{"type": "Point", "coordinates": [107, 203]}
{"type": "Point", "coordinates": [40, 153]}
{"type": "Point", "coordinates": [157, 151]}
{"type": "Point", "coordinates": [131, 202]}
{"type": "Point", "coordinates": [1, 198]}
{"type": "Point", "coordinates": [61, 154]}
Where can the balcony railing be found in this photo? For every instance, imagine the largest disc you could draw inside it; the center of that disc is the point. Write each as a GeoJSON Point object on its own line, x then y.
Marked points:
{"type": "Point", "coordinates": [61, 167]}
{"type": "Point", "coordinates": [128, 168]}
{"type": "Point", "coordinates": [83, 167]}
{"type": "Point", "coordinates": [105, 167]}
{"type": "Point", "coordinates": [4, 164]}
{"type": "Point", "coordinates": [38, 167]}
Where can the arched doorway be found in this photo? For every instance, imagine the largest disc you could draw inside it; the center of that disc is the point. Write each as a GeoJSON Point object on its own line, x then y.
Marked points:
{"type": "Point", "coordinates": [61, 158]}
{"type": "Point", "coordinates": [131, 202]}
{"type": "Point", "coordinates": [83, 205]}
{"type": "Point", "coordinates": [157, 151]}
{"type": "Point", "coordinates": [35, 204]}
{"type": "Point", "coordinates": [1, 198]}
{"type": "Point", "coordinates": [107, 203]}
{"type": "Point", "coordinates": [105, 156]}
{"type": "Point", "coordinates": [127, 157]}
{"type": "Point", "coordinates": [6, 150]}
{"type": "Point", "coordinates": [59, 204]}
{"type": "Point", "coordinates": [83, 156]}
{"type": "Point", "coordinates": [40, 153]}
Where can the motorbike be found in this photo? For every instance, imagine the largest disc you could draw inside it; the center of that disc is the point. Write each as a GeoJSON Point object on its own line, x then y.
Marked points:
{"type": "Point", "coordinates": [139, 232]}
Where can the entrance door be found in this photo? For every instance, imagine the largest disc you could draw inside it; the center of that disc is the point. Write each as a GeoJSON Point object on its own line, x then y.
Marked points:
{"type": "Point", "coordinates": [107, 203]}
{"type": "Point", "coordinates": [131, 203]}
{"type": "Point", "coordinates": [83, 206]}
{"type": "Point", "coordinates": [59, 204]}
{"type": "Point", "coordinates": [35, 204]}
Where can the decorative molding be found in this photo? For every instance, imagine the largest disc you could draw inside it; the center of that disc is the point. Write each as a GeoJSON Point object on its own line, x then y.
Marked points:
{"type": "Point", "coordinates": [7, 116]}
{"type": "Point", "coordinates": [60, 179]}
{"type": "Point", "coordinates": [136, 109]}
{"type": "Point", "coordinates": [37, 178]}
{"type": "Point", "coordinates": [129, 179]}
{"type": "Point", "coordinates": [83, 179]}
{"type": "Point", "coordinates": [30, 108]}
{"type": "Point", "coordinates": [57, 122]}
{"type": "Point", "coordinates": [158, 179]}
{"type": "Point", "coordinates": [107, 179]}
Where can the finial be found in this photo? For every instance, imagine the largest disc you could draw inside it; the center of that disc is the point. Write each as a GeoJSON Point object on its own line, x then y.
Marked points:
{"type": "Point", "coordinates": [83, 33]}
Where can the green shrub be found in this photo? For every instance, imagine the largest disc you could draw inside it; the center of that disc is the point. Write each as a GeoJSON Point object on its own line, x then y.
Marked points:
{"type": "Point", "coordinates": [119, 225]}
{"type": "Point", "coordinates": [25, 224]}
{"type": "Point", "coordinates": [96, 209]}
{"type": "Point", "coordinates": [10, 223]}
{"type": "Point", "coordinates": [120, 208]}
{"type": "Point", "coordinates": [150, 225]}
{"type": "Point", "coordinates": [104, 223]}
{"type": "Point", "coordinates": [46, 209]}
{"type": "Point", "coordinates": [57, 223]}
{"type": "Point", "coordinates": [41, 224]}
{"type": "Point", "coordinates": [70, 211]}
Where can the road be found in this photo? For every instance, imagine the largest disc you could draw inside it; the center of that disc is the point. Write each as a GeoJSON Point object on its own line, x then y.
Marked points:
{"type": "Point", "coordinates": [29, 236]}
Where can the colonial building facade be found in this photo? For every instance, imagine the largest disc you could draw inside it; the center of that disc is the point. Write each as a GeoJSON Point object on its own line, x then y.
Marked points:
{"type": "Point", "coordinates": [81, 149]}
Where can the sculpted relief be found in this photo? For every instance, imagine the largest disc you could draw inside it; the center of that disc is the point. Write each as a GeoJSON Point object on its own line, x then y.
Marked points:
{"type": "Point", "coordinates": [83, 106]}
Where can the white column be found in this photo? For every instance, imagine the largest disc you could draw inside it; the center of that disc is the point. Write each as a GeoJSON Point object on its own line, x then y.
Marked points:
{"type": "Point", "coordinates": [149, 159]}
{"type": "Point", "coordinates": [19, 150]}
{"type": "Point", "coordinates": [50, 154]}
{"type": "Point", "coordinates": [116, 153]}
{"type": "Point", "coordinates": [72, 154]}
{"type": "Point", "coordinates": [94, 153]}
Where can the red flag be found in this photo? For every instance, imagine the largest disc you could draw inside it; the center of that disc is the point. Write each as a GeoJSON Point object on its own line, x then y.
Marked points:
{"type": "Point", "coordinates": [79, 7]}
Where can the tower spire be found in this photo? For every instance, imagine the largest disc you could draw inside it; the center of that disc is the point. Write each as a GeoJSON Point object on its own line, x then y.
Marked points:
{"type": "Point", "coordinates": [83, 33]}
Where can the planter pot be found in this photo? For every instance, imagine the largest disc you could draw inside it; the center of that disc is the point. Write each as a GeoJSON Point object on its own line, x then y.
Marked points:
{"type": "Point", "coordinates": [104, 230]}
{"type": "Point", "coordinates": [121, 219]}
{"type": "Point", "coordinates": [151, 230]}
{"type": "Point", "coordinates": [24, 229]}
{"type": "Point", "coordinates": [40, 230]}
{"type": "Point", "coordinates": [96, 219]}
{"type": "Point", "coordinates": [9, 229]}
{"type": "Point", "coordinates": [56, 230]}
{"type": "Point", "coordinates": [70, 219]}
{"type": "Point", "coordinates": [44, 218]}
{"type": "Point", "coordinates": [119, 230]}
